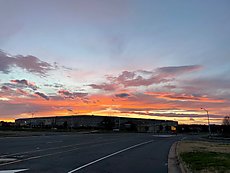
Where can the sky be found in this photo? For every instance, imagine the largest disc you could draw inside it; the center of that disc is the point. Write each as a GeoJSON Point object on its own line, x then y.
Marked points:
{"type": "Point", "coordinates": [131, 58]}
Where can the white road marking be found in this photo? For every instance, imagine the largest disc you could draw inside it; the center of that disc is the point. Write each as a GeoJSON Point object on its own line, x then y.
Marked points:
{"type": "Point", "coordinates": [7, 159]}
{"type": "Point", "coordinates": [163, 136]}
{"type": "Point", "coordinates": [110, 155]}
{"type": "Point", "coordinates": [13, 171]}
{"type": "Point", "coordinates": [51, 142]}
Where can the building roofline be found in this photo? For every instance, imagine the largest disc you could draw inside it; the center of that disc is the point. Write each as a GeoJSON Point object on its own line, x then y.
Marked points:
{"type": "Point", "coordinates": [70, 116]}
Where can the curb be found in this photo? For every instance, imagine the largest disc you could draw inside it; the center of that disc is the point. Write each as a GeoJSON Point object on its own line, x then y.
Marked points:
{"type": "Point", "coordinates": [175, 164]}
{"type": "Point", "coordinates": [182, 165]}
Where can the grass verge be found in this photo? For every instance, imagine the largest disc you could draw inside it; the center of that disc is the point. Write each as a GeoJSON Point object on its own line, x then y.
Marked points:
{"type": "Point", "coordinates": [205, 157]}
{"type": "Point", "coordinates": [207, 161]}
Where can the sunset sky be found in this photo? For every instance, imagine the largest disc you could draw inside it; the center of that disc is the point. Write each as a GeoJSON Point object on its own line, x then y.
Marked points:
{"type": "Point", "coordinates": [135, 58]}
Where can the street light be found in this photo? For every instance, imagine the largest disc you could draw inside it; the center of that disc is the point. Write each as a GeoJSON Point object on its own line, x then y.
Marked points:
{"type": "Point", "coordinates": [71, 126]}
{"type": "Point", "coordinates": [209, 129]}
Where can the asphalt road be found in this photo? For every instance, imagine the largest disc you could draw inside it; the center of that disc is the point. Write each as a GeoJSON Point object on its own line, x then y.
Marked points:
{"type": "Point", "coordinates": [91, 153]}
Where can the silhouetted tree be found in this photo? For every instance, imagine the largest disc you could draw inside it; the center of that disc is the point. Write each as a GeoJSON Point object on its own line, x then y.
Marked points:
{"type": "Point", "coordinates": [226, 126]}
{"type": "Point", "coordinates": [226, 121]}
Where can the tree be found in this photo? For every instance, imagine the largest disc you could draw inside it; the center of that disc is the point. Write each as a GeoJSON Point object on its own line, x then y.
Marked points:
{"type": "Point", "coordinates": [226, 126]}
{"type": "Point", "coordinates": [226, 121]}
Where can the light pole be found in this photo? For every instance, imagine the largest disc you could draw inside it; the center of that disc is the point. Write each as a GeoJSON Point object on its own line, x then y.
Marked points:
{"type": "Point", "coordinates": [71, 126]}
{"type": "Point", "coordinates": [209, 129]}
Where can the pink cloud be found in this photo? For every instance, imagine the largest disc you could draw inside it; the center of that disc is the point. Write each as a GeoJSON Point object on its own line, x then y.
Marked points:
{"type": "Point", "coordinates": [29, 63]}
{"type": "Point", "coordinates": [146, 78]}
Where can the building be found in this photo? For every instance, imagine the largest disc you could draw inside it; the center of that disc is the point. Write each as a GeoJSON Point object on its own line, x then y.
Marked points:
{"type": "Point", "coordinates": [99, 122]}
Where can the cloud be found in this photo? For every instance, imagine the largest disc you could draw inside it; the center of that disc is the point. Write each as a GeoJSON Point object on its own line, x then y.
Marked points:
{"type": "Point", "coordinates": [210, 83]}
{"type": "Point", "coordinates": [104, 86]}
{"type": "Point", "coordinates": [15, 90]}
{"type": "Point", "coordinates": [177, 70]}
{"type": "Point", "coordinates": [146, 78]}
{"type": "Point", "coordinates": [26, 83]}
{"type": "Point", "coordinates": [23, 81]}
{"type": "Point", "coordinates": [72, 95]}
{"type": "Point", "coordinates": [30, 63]}
{"type": "Point", "coordinates": [170, 87]}
{"type": "Point", "coordinates": [55, 85]}
{"type": "Point", "coordinates": [20, 91]}
{"type": "Point", "coordinates": [122, 95]}
{"type": "Point", "coordinates": [42, 95]}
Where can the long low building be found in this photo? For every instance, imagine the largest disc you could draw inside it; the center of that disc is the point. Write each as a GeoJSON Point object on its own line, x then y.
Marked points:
{"type": "Point", "coordinates": [99, 122]}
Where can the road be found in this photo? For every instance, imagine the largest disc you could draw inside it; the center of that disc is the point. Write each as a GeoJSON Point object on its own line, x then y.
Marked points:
{"type": "Point", "coordinates": [91, 153]}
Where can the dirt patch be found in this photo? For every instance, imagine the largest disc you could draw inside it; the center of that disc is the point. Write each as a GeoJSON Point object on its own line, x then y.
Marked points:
{"type": "Point", "coordinates": [192, 146]}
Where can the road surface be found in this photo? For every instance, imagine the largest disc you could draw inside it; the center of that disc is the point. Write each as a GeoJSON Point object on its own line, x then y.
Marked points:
{"type": "Point", "coordinates": [91, 153]}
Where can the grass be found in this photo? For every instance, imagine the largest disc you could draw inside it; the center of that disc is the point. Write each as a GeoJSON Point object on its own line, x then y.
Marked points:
{"type": "Point", "coordinates": [207, 161]}
{"type": "Point", "coordinates": [205, 157]}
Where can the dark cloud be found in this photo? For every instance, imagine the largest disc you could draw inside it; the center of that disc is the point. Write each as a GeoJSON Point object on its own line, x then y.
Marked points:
{"type": "Point", "coordinates": [24, 83]}
{"type": "Point", "coordinates": [55, 85]}
{"type": "Point", "coordinates": [42, 95]}
{"type": "Point", "coordinates": [30, 63]}
{"type": "Point", "coordinates": [175, 70]}
{"type": "Point", "coordinates": [67, 68]}
{"type": "Point", "coordinates": [170, 87]}
{"type": "Point", "coordinates": [105, 86]}
{"type": "Point", "coordinates": [72, 95]}
{"type": "Point", "coordinates": [122, 95]}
